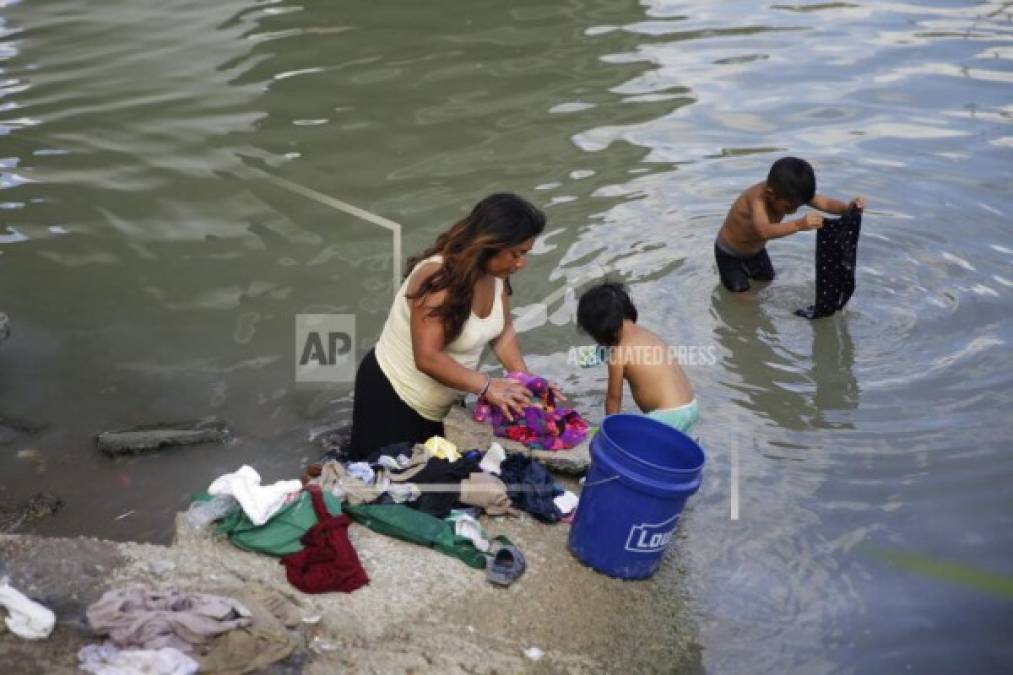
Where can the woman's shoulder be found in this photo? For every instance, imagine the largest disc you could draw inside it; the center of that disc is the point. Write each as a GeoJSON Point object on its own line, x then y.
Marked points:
{"type": "Point", "coordinates": [427, 266]}
{"type": "Point", "coordinates": [422, 271]}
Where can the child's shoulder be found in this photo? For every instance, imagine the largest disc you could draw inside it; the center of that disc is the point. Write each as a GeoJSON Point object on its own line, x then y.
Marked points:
{"type": "Point", "coordinates": [752, 192]}
{"type": "Point", "coordinates": [641, 336]}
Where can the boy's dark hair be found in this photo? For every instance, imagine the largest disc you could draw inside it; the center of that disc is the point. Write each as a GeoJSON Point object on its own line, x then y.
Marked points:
{"type": "Point", "coordinates": [793, 179]}
{"type": "Point", "coordinates": [601, 311]}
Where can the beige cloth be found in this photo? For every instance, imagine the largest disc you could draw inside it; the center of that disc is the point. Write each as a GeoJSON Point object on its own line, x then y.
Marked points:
{"type": "Point", "coordinates": [138, 616]}
{"type": "Point", "coordinates": [487, 492]}
{"type": "Point", "coordinates": [333, 475]}
{"type": "Point", "coordinates": [255, 647]}
{"type": "Point", "coordinates": [394, 354]}
{"type": "Point", "coordinates": [420, 457]}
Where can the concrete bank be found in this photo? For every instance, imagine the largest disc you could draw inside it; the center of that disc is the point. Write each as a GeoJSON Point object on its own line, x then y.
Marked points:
{"type": "Point", "coordinates": [421, 612]}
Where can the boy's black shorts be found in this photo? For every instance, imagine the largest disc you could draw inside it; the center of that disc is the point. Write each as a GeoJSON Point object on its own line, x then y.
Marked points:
{"type": "Point", "coordinates": [736, 271]}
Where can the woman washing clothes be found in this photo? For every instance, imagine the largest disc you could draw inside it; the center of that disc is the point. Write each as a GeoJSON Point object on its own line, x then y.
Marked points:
{"type": "Point", "coordinates": [455, 299]}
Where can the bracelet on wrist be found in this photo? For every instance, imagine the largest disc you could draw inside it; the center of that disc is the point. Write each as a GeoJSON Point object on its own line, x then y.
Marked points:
{"type": "Point", "coordinates": [485, 387]}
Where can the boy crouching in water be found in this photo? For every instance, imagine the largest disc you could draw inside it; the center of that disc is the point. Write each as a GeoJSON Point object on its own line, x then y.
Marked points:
{"type": "Point", "coordinates": [659, 387]}
{"type": "Point", "coordinates": [757, 215]}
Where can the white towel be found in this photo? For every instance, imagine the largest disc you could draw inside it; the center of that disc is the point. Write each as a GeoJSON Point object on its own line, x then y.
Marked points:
{"type": "Point", "coordinates": [566, 502]}
{"type": "Point", "coordinates": [469, 528]}
{"type": "Point", "coordinates": [107, 659]}
{"type": "Point", "coordinates": [28, 619]}
{"type": "Point", "coordinates": [494, 456]}
{"type": "Point", "coordinates": [259, 502]}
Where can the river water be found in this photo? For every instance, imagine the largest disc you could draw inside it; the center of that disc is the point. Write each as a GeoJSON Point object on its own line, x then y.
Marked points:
{"type": "Point", "coordinates": [856, 514]}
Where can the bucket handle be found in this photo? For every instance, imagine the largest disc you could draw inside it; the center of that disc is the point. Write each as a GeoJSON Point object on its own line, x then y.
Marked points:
{"type": "Point", "coordinates": [601, 482]}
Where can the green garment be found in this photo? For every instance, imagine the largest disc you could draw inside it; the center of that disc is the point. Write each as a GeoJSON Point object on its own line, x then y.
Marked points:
{"type": "Point", "coordinates": [279, 536]}
{"type": "Point", "coordinates": [402, 522]}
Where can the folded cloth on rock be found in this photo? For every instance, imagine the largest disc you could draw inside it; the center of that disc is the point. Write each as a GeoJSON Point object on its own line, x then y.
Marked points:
{"type": "Point", "coordinates": [467, 527]}
{"type": "Point", "coordinates": [494, 456]}
{"type": "Point", "coordinates": [28, 619]}
{"type": "Point", "coordinates": [401, 522]}
{"type": "Point", "coordinates": [542, 425]}
{"type": "Point", "coordinates": [417, 461]}
{"type": "Point", "coordinates": [282, 534]}
{"type": "Point", "coordinates": [530, 487]}
{"type": "Point", "coordinates": [403, 492]}
{"type": "Point", "coordinates": [439, 482]}
{"type": "Point", "coordinates": [328, 561]}
{"type": "Point", "coordinates": [336, 479]}
{"type": "Point", "coordinates": [393, 464]}
{"type": "Point", "coordinates": [259, 502]}
{"type": "Point", "coordinates": [138, 616]}
{"type": "Point", "coordinates": [566, 502]}
{"type": "Point", "coordinates": [362, 471]}
{"type": "Point", "coordinates": [441, 448]}
{"type": "Point", "coordinates": [487, 492]}
{"type": "Point", "coordinates": [108, 659]}
{"type": "Point", "coordinates": [394, 450]}
{"type": "Point", "coordinates": [255, 647]}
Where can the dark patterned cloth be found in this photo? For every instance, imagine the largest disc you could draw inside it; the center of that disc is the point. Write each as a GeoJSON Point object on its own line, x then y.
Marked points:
{"type": "Point", "coordinates": [836, 254]}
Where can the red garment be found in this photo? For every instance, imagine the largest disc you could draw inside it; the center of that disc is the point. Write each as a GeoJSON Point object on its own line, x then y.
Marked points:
{"type": "Point", "coordinates": [327, 562]}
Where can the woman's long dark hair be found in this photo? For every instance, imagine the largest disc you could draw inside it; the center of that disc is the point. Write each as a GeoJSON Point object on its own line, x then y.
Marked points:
{"type": "Point", "coordinates": [497, 222]}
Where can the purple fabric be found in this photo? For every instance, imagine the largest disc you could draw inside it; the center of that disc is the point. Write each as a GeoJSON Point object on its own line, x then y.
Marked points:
{"type": "Point", "coordinates": [543, 425]}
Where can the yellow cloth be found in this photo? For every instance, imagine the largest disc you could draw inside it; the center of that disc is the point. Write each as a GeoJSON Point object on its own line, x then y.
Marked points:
{"type": "Point", "coordinates": [394, 354]}
{"type": "Point", "coordinates": [441, 448]}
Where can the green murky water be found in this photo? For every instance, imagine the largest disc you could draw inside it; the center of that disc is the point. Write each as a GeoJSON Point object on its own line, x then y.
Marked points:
{"type": "Point", "coordinates": [152, 272]}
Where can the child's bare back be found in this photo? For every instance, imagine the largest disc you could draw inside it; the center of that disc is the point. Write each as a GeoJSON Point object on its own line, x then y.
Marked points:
{"type": "Point", "coordinates": [638, 356]}
{"type": "Point", "coordinates": [646, 362]}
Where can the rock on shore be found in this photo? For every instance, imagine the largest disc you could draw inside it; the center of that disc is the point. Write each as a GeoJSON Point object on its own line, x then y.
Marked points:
{"type": "Point", "coordinates": [155, 436]}
{"type": "Point", "coordinates": [466, 433]}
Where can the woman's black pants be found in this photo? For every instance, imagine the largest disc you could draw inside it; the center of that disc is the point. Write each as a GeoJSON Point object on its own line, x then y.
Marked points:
{"type": "Point", "coordinates": [380, 417]}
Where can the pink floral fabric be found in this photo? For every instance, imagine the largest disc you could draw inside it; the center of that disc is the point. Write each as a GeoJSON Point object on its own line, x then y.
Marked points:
{"type": "Point", "coordinates": [543, 426]}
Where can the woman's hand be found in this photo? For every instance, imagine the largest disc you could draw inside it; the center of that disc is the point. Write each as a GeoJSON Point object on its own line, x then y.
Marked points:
{"type": "Point", "coordinates": [509, 396]}
{"type": "Point", "coordinates": [556, 391]}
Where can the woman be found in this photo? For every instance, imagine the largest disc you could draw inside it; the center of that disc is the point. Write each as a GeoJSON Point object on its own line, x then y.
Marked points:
{"type": "Point", "coordinates": [455, 299]}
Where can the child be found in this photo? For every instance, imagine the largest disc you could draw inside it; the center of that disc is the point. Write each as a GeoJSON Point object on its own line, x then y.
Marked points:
{"type": "Point", "coordinates": [755, 217]}
{"type": "Point", "coordinates": [660, 388]}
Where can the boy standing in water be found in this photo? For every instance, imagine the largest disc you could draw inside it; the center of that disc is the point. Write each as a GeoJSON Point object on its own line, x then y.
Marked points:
{"type": "Point", "coordinates": [660, 388]}
{"type": "Point", "coordinates": [757, 215]}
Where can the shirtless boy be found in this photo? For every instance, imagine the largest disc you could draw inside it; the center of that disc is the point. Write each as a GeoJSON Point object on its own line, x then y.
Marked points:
{"type": "Point", "coordinates": [635, 354]}
{"type": "Point", "coordinates": [758, 216]}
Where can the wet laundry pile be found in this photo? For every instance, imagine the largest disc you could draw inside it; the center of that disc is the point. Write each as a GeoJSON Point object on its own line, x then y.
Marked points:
{"type": "Point", "coordinates": [431, 494]}
{"type": "Point", "coordinates": [166, 631]}
{"type": "Point", "coordinates": [543, 425]}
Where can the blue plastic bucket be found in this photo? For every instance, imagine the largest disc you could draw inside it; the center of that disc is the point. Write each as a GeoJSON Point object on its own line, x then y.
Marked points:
{"type": "Point", "coordinates": [642, 472]}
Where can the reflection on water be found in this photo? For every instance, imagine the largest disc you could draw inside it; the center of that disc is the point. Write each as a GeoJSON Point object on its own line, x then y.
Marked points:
{"type": "Point", "coordinates": [832, 372]}
{"type": "Point", "coordinates": [762, 370]}
{"type": "Point", "coordinates": [768, 374]}
{"type": "Point", "coordinates": [151, 275]}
